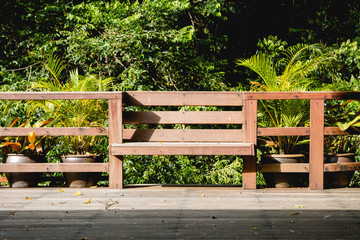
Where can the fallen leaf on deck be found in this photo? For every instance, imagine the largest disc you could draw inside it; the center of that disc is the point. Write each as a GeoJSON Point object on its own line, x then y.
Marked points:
{"type": "Point", "coordinates": [77, 194]}
{"type": "Point", "coordinates": [299, 206]}
{"type": "Point", "coordinates": [93, 187]}
{"type": "Point", "coordinates": [255, 228]}
{"type": "Point", "coordinates": [88, 201]}
{"type": "Point", "coordinates": [295, 213]}
{"type": "Point", "coordinates": [27, 198]}
{"type": "Point", "coordinates": [60, 190]}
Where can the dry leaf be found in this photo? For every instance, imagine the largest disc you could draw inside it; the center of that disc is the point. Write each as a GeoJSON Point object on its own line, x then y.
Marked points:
{"type": "Point", "coordinates": [60, 190]}
{"type": "Point", "coordinates": [27, 198]}
{"type": "Point", "coordinates": [93, 187]}
{"type": "Point", "coordinates": [299, 206]}
{"type": "Point", "coordinates": [295, 213]}
{"type": "Point", "coordinates": [88, 201]}
{"type": "Point", "coordinates": [77, 193]}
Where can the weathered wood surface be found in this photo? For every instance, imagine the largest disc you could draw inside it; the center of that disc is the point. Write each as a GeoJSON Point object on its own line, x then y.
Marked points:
{"type": "Point", "coordinates": [250, 136]}
{"type": "Point", "coordinates": [182, 149]}
{"type": "Point", "coordinates": [339, 167]}
{"type": "Point", "coordinates": [301, 95]}
{"type": "Point", "coordinates": [115, 136]}
{"type": "Point", "coordinates": [284, 167]}
{"type": "Point", "coordinates": [183, 98]}
{"type": "Point", "coordinates": [55, 167]}
{"type": "Point", "coordinates": [55, 131]}
{"type": "Point", "coordinates": [58, 95]}
{"type": "Point", "coordinates": [183, 117]}
{"type": "Point", "coordinates": [183, 135]}
{"type": "Point", "coordinates": [316, 157]}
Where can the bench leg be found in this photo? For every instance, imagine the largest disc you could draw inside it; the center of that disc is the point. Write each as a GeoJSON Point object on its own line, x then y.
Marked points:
{"type": "Point", "coordinates": [249, 172]}
{"type": "Point", "coordinates": [115, 172]}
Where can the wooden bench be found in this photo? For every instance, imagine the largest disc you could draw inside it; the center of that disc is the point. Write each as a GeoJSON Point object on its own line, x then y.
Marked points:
{"type": "Point", "coordinates": [188, 140]}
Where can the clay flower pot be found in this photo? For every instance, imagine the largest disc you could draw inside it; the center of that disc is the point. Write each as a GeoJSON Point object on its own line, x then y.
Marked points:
{"type": "Point", "coordinates": [22, 179]}
{"type": "Point", "coordinates": [81, 179]}
{"type": "Point", "coordinates": [283, 180]}
{"type": "Point", "coordinates": [339, 179]}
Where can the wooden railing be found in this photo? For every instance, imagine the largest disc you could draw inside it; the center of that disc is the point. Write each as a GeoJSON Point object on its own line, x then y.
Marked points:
{"type": "Point", "coordinates": [250, 132]}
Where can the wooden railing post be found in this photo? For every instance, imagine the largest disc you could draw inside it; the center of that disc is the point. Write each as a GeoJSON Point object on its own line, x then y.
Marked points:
{"type": "Point", "coordinates": [115, 136]}
{"type": "Point", "coordinates": [316, 171]}
{"type": "Point", "coordinates": [250, 136]}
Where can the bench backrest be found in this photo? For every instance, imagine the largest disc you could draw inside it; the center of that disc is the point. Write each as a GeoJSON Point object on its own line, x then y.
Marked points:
{"type": "Point", "coordinates": [176, 116]}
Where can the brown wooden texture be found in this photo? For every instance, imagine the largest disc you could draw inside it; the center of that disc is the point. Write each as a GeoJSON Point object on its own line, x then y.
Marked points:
{"type": "Point", "coordinates": [285, 131]}
{"type": "Point", "coordinates": [284, 167]}
{"type": "Point", "coordinates": [55, 167]}
{"type": "Point", "coordinates": [115, 136]}
{"type": "Point", "coordinates": [316, 175]}
{"type": "Point", "coordinates": [250, 136]}
{"type": "Point", "coordinates": [182, 149]}
{"type": "Point", "coordinates": [183, 117]}
{"type": "Point", "coordinates": [55, 131]}
{"type": "Point", "coordinates": [183, 98]}
{"type": "Point", "coordinates": [301, 95]}
{"type": "Point", "coordinates": [57, 95]}
{"type": "Point", "coordinates": [183, 135]}
{"type": "Point", "coordinates": [339, 167]}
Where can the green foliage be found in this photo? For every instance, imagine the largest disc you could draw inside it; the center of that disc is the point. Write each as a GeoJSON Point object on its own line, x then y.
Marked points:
{"type": "Point", "coordinates": [295, 67]}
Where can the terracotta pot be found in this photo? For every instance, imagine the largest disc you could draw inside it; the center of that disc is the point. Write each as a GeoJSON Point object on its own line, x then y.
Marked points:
{"type": "Point", "coordinates": [81, 179]}
{"type": "Point", "coordinates": [284, 180]}
{"type": "Point", "coordinates": [22, 179]}
{"type": "Point", "coordinates": [338, 179]}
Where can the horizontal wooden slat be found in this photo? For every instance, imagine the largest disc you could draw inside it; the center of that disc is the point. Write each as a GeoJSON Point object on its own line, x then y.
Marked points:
{"type": "Point", "coordinates": [183, 149]}
{"type": "Point", "coordinates": [300, 95]}
{"type": "Point", "coordinates": [58, 95]}
{"type": "Point", "coordinates": [183, 135]}
{"type": "Point", "coordinates": [339, 167]}
{"type": "Point", "coordinates": [55, 167]}
{"type": "Point", "coordinates": [58, 131]}
{"type": "Point", "coordinates": [284, 167]}
{"type": "Point", "coordinates": [184, 117]}
{"type": "Point", "coordinates": [184, 98]}
{"type": "Point", "coordinates": [285, 131]}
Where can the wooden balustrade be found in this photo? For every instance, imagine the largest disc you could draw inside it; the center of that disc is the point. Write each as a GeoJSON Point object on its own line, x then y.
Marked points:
{"type": "Point", "coordinates": [187, 141]}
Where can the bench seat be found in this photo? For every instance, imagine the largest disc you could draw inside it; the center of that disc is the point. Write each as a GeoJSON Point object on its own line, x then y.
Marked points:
{"type": "Point", "coordinates": [179, 148]}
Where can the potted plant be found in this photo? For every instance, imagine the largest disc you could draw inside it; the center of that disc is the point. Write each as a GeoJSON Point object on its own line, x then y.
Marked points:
{"type": "Point", "coordinates": [296, 68]}
{"type": "Point", "coordinates": [76, 113]}
{"type": "Point", "coordinates": [24, 149]}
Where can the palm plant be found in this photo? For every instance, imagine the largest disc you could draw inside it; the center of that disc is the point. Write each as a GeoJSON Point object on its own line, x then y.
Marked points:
{"type": "Point", "coordinates": [297, 66]}
{"type": "Point", "coordinates": [74, 113]}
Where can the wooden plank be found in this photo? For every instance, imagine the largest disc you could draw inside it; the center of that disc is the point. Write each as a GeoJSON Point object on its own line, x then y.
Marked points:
{"type": "Point", "coordinates": [183, 135]}
{"type": "Point", "coordinates": [284, 167]}
{"type": "Point", "coordinates": [184, 117]}
{"type": "Point", "coordinates": [55, 167]}
{"type": "Point", "coordinates": [316, 175]}
{"type": "Point", "coordinates": [55, 131]}
{"type": "Point", "coordinates": [183, 98]}
{"type": "Point", "coordinates": [182, 149]}
{"type": "Point", "coordinates": [300, 95]}
{"type": "Point", "coordinates": [115, 136]}
{"type": "Point", "coordinates": [285, 131]}
{"type": "Point", "coordinates": [339, 167]}
{"type": "Point", "coordinates": [250, 135]}
{"type": "Point", "coordinates": [57, 95]}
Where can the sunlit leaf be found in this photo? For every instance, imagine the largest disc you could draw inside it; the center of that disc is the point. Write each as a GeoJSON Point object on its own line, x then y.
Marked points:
{"type": "Point", "coordinates": [77, 193]}
{"type": "Point", "coordinates": [88, 201]}
{"type": "Point", "coordinates": [32, 137]}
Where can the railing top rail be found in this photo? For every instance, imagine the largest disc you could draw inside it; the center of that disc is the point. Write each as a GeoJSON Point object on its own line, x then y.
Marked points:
{"type": "Point", "coordinates": [179, 97]}
{"type": "Point", "coordinates": [58, 95]}
{"type": "Point", "coordinates": [301, 95]}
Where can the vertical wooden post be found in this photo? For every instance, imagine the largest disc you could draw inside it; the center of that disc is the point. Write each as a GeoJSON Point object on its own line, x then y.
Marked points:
{"type": "Point", "coordinates": [316, 174]}
{"type": "Point", "coordinates": [250, 136]}
{"type": "Point", "coordinates": [115, 136]}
